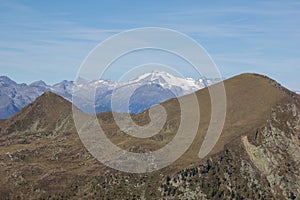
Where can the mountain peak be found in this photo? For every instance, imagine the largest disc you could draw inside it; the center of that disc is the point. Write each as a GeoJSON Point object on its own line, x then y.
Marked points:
{"type": "Point", "coordinates": [254, 76]}
{"type": "Point", "coordinates": [53, 99]}
{"type": "Point", "coordinates": [152, 76]}
{"type": "Point", "coordinates": [5, 81]}
{"type": "Point", "coordinates": [247, 78]}
{"type": "Point", "coordinates": [39, 83]}
{"type": "Point", "coordinates": [81, 80]}
{"type": "Point", "coordinates": [163, 75]}
{"type": "Point", "coordinates": [159, 73]}
{"type": "Point", "coordinates": [49, 111]}
{"type": "Point", "coordinates": [49, 94]}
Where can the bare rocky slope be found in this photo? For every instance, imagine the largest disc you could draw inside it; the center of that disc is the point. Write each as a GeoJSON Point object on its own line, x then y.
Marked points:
{"type": "Point", "coordinates": [256, 157]}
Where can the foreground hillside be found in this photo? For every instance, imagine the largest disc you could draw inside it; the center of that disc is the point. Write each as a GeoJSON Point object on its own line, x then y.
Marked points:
{"type": "Point", "coordinates": [256, 157]}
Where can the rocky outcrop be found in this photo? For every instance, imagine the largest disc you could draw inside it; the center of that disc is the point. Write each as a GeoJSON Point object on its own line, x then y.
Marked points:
{"type": "Point", "coordinates": [265, 165]}
{"type": "Point", "coordinates": [275, 151]}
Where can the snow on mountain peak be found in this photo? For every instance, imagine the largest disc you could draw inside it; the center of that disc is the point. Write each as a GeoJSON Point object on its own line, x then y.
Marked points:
{"type": "Point", "coordinates": [167, 80]}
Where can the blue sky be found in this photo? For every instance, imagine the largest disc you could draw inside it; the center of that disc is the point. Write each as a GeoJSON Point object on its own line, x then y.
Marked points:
{"type": "Point", "coordinates": [48, 40]}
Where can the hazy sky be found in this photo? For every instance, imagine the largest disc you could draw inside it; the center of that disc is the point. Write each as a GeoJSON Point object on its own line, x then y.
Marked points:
{"type": "Point", "coordinates": [48, 40]}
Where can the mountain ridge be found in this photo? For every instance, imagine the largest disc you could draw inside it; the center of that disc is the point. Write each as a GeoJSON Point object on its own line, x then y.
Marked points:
{"type": "Point", "coordinates": [17, 95]}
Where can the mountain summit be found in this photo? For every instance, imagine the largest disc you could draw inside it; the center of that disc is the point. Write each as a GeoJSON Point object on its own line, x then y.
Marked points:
{"type": "Point", "coordinates": [5, 81]}
{"type": "Point", "coordinates": [38, 84]}
{"type": "Point", "coordinates": [169, 81]}
{"type": "Point", "coordinates": [49, 112]}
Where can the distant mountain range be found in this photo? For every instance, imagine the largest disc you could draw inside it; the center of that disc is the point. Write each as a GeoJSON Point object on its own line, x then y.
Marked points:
{"type": "Point", "coordinates": [151, 89]}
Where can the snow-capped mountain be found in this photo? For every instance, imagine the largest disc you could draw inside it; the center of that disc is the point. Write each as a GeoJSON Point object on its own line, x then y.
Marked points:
{"type": "Point", "coordinates": [145, 91]}
{"type": "Point", "coordinates": [167, 81]}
